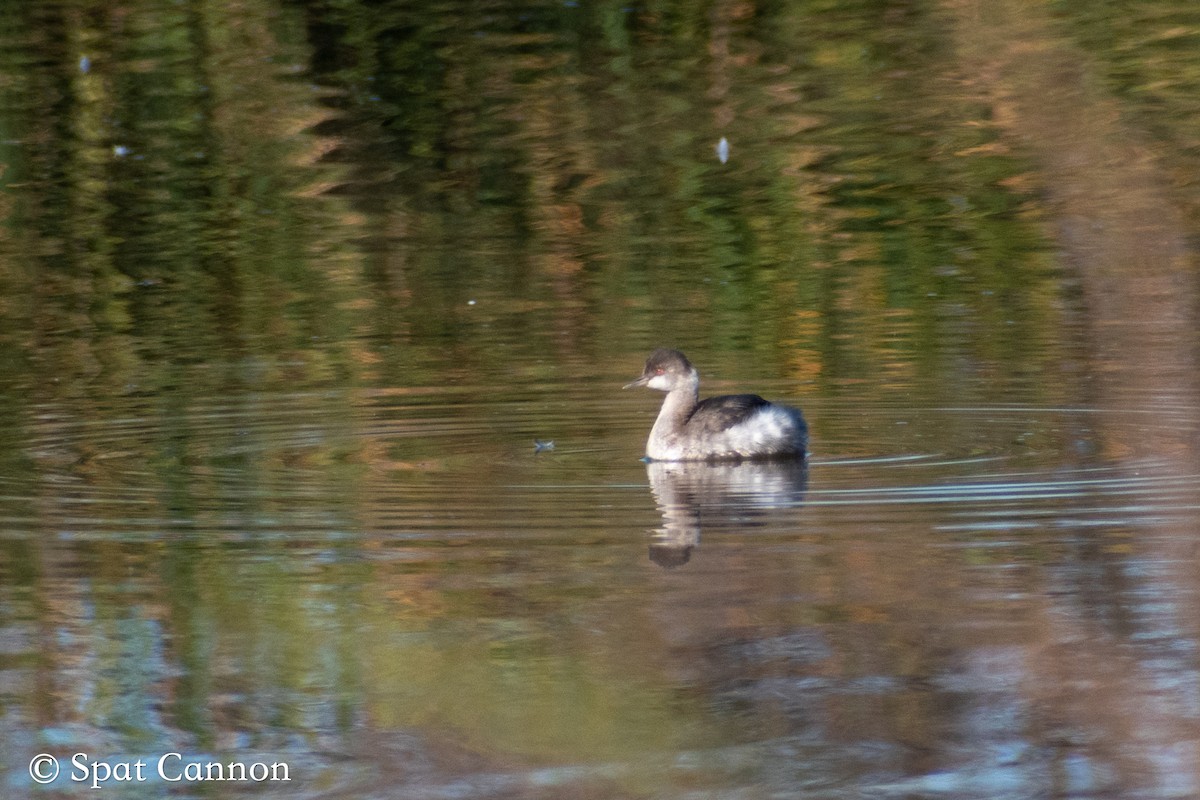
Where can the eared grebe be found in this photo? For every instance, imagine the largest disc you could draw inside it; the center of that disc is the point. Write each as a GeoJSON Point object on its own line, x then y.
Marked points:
{"type": "Point", "coordinates": [731, 427]}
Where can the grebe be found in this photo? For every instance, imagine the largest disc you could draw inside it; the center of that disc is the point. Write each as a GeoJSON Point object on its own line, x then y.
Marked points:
{"type": "Point", "coordinates": [731, 427]}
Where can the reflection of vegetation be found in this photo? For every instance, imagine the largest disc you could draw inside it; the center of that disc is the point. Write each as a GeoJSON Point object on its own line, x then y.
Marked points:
{"type": "Point", "coordinates": [1145, 54]}
{"type": "Point", "coordinates": [157, 187]}
{"type": "Point", "coordinates": [866, 220]}
{"type": "Point", "coordinates": [521, 189]}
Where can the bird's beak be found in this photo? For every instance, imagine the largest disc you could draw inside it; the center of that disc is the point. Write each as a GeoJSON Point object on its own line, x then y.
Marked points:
{"type": "Point", "coordinates": [639, 382]}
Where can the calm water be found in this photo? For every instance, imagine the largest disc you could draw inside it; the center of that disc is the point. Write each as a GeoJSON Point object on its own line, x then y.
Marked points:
{"type": "Point", "coordinates": [289, 291]}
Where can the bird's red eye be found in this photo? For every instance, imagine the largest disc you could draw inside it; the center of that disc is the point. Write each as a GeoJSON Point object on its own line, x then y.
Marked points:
{"type": "Point", "coordinates": [659, 370]}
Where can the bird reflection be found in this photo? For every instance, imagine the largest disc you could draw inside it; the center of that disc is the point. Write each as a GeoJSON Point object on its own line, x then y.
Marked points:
{"type": "Point", "coordinates": [692, 495]}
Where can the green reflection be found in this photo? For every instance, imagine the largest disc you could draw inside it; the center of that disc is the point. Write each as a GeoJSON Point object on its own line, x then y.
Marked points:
{"type": "Point", "coordinates": [870, 215]}
{"type": "Point", "coordinates": [285, 287]}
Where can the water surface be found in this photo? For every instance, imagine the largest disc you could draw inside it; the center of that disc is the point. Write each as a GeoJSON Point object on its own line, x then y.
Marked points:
{"type": "Point", "coordinates": [290, 291]}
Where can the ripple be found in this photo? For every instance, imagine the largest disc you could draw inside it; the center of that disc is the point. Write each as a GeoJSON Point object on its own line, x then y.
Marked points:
{"type": "Point", "coordinates": [440, 464]}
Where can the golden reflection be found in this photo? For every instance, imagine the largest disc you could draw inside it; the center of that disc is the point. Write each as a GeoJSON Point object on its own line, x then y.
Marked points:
{"type": "Point", "coordinates": [1123, 235]}
{"type": "Point", "coordinates": [1121, 230]}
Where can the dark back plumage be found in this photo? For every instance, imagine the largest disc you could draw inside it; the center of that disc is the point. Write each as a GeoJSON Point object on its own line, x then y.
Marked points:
{"type": "Point", "coordinates": [719, 413]}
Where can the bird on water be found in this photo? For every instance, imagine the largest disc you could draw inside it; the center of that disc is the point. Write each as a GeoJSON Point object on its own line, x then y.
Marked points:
{"type": "Point", "coordinates": [727, 428]}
